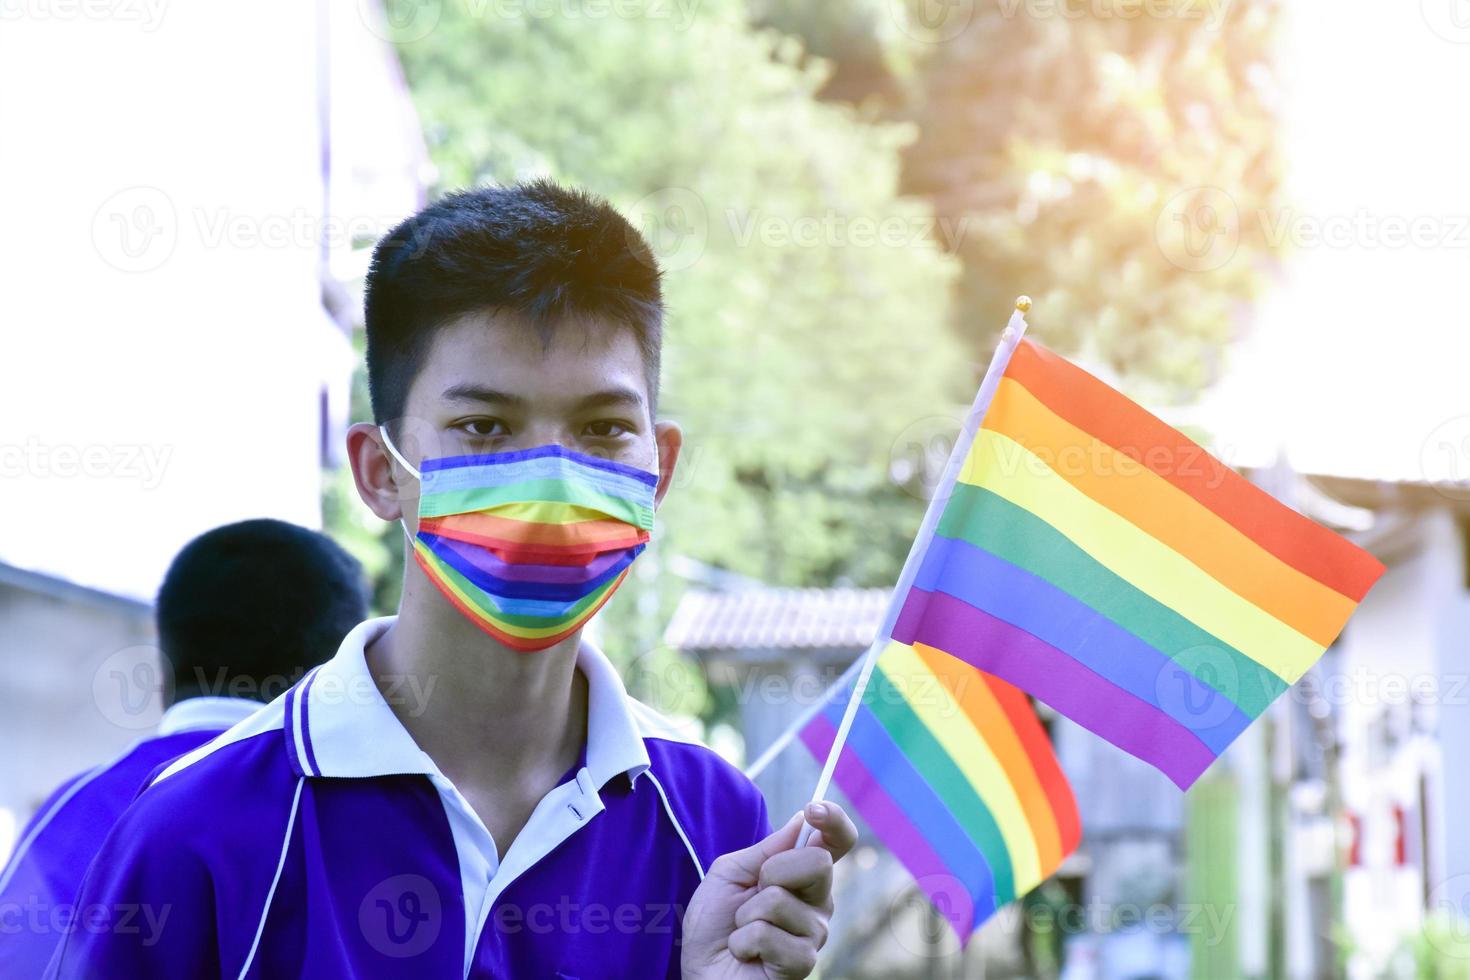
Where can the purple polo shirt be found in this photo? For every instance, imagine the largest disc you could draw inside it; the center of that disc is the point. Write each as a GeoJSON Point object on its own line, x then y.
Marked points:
{"type": "Point", "coordinates": [317, 839]}
{"type": "Point", "coordinates": [40, 882]}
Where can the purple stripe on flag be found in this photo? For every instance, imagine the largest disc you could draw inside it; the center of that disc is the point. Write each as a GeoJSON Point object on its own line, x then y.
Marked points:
{"type": "Point", "coordinates": [946, 623]}
{"type": "Point", "coordinates": [992, 584]}
{"type": "Point", "coordinates": [872, 802]}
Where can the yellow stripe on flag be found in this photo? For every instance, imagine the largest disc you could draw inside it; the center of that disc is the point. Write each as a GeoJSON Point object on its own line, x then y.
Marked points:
{"type": "Point", "coordinates": [1158, 507]}
{"type": "Point", "coordinates": [946, 719]}
{"type": "Point", "coordinates": [1008, 469]}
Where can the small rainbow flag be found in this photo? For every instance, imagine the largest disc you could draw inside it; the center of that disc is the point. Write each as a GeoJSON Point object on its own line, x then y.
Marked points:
{"type": "Point", "coordinates": [1096, 558]}
{"type": "Point", "coordinates": [952, 770]}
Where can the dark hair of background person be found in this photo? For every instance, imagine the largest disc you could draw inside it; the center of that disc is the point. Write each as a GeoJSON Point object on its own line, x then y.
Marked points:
{"type": "Point", "coordinates": [539, 250]}
{"type": "Point", "coordinates": [246, 609]}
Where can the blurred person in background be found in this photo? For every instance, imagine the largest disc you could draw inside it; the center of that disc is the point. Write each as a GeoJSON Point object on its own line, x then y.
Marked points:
{"type": "Point", "coordinates": [243, 612]}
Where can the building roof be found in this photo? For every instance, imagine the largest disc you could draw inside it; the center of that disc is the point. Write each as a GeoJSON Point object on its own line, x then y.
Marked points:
{"type": "Point", "coordinates": [40, 583]}
{"type": "Point", "coordinates": [783, 619]}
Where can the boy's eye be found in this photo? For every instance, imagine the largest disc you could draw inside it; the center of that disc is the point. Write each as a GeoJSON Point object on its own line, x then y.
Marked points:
{"type": "Point", "coordinates": [483, 428]}
{"type": "Point", "coordinates": [606, 428]}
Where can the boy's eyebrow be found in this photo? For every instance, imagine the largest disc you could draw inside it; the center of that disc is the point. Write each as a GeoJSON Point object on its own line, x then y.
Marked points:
{"type": "Point", "coordinates": [616, 395]}
{"type": "Point", "coordinates": [480, 393]}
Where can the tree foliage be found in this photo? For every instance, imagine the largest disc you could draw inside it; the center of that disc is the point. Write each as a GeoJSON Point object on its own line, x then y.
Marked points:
{"type": "Point", "coordinates": [1109, 157]}
{"type": "Point", "coordinates": [808, 301]}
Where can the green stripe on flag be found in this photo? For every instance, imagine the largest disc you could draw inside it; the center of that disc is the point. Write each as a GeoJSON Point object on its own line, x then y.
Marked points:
{"type": "Point", "coordinates": [1013, 533]}
{"type": "Point", "coordinates": [934, 764]}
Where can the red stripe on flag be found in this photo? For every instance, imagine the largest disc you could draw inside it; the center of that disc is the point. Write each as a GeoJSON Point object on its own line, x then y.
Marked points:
{"type": "Point", "coordinates": [1114, 419]}
{"type": "Point", "coordinates": [1043, 759]}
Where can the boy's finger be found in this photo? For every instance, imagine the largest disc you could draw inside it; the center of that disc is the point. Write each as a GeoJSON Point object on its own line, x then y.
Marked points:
{"type": "Point", "coordinates": [805, 872]}
{"type": "Point", "coordinates": [745, 865]}
{"type": "Point", "coordinates": [836, 831]}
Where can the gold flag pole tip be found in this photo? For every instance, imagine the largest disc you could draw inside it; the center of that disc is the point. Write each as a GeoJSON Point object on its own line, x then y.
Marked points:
{"type": "Point", "coordinates": [1023, 303]}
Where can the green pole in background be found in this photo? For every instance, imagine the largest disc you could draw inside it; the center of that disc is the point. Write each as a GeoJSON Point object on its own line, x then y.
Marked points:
{"type": "Point", "coordinates": [1210, 877]}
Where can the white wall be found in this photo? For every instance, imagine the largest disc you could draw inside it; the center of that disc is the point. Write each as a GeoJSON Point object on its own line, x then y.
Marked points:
{"type": "Point", "coordinates": [1401, 713]}
{"type": "Point", "coordinates": [163, 340]}
{"type": "Point", "coordinates": [1354, 362]}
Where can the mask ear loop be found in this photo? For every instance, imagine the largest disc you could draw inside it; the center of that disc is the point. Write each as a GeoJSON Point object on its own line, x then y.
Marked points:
{"type": "Point", "coordinates": [393, 451]}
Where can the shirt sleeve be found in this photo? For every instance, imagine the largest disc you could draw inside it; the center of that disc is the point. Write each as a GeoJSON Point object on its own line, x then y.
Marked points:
{"type": "Point", "coordinates": [146, 906]}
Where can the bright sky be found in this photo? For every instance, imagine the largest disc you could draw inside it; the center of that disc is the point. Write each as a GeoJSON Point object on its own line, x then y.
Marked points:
{"type": "Point", "coordinates": [1357, 361]}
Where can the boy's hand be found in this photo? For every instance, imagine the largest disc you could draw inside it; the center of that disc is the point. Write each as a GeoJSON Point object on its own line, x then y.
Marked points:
{"type": "Point", "coordinates": [762, 912]}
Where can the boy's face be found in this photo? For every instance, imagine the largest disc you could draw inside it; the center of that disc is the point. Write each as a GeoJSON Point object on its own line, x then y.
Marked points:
{"type": "Point", "coordinates": [488, 385]}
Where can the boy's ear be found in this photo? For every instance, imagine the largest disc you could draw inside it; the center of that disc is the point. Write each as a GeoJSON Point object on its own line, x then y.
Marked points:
{"type": "Point", "coordinates": [670, 439]}
{"type": "Point", "coordinates": [375, 473]}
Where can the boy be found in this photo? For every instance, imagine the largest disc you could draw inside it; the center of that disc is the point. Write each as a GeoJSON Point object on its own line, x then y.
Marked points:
{"type": "Point", "coordinates": [243, 612]}
{"type": "Point", "coordinates": [466, 789]}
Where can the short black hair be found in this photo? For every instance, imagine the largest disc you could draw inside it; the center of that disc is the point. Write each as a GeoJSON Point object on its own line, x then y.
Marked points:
{"type": "Point", "coordinates": [247, 608]}
{"type": "Point", "coordinates": [537, 249]}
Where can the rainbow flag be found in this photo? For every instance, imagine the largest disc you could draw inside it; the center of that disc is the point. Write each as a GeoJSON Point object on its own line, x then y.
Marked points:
{"type": "Point", "coordinates": [1096, 558]}
{"type": "Point", "coordinates": [951, 769]}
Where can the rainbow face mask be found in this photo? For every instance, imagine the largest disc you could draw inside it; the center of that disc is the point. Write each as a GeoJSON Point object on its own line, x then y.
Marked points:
{"type": "Point", "coordinates": [529, 544]}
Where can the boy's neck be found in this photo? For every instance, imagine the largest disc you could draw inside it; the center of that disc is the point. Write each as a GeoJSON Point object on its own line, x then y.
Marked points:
{"type": "Point", "coordinates": [491, 718]}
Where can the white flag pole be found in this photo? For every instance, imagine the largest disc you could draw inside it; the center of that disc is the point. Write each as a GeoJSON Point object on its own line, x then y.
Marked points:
{"type": "Point", "coordinates": [1009, 338]}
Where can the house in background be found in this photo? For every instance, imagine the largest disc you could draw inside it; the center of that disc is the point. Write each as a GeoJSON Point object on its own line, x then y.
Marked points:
{"type": "Point", "coordinates": [187, 192]}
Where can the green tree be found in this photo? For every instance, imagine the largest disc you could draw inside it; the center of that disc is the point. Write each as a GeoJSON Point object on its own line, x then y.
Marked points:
{"type": "Point", "coordinates": [1107, 156]}
{"type": "Point", "coordinates": [1111, 156]}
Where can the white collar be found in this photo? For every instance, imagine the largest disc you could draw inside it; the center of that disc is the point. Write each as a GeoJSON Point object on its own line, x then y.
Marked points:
{"type": "Point", "coordinates": [339, 725]}
{"type": "Point", "coordinates": [192, 714]}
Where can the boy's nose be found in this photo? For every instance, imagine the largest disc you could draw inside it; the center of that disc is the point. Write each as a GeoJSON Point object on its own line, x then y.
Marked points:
{"type": "Point", "coordinates": [541, 434]}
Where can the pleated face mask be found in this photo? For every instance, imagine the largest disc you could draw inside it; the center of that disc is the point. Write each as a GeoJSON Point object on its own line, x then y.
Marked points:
{"type": "Point", "coordinates": [529, 544]}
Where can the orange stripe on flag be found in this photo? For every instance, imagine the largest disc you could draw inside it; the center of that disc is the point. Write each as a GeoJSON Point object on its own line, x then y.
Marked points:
{"type": "Point", "coordinates": [1095, 408]}
{"type": "Point", "coordinates": [967, 686]}
{"type": "Point", "coordinates": [1038, 748]}
{"type": "Point", "coordinates": [1165, 512]}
